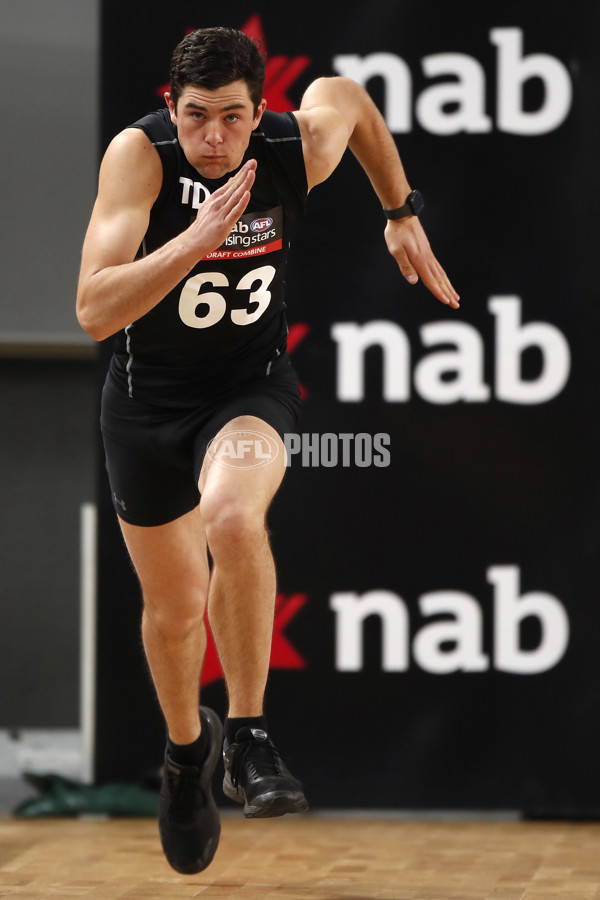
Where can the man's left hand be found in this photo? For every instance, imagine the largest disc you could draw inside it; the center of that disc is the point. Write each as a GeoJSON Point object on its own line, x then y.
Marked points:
{"type": "Point", "coordinates": [408, 244]}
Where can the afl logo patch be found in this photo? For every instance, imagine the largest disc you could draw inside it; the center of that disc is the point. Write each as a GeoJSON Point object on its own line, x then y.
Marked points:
{"type": "Point", "coordinates": [261, 224]}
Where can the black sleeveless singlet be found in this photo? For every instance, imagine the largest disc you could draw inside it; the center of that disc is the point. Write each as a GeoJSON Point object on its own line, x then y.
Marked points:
{"type": "Point", "coordinates": [224, 322]}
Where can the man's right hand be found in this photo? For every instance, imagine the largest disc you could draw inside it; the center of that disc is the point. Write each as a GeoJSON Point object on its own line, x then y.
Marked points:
{"type": "Point", "coordinates": [218, 214]}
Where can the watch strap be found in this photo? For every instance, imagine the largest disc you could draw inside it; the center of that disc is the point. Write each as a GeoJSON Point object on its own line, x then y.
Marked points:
{"type": "Point", "coordinates": [399, 213]}
{"type": "Point", "coordinates": [413, 206]}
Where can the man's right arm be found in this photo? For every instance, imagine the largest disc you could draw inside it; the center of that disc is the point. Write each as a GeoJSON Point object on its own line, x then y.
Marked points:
{"type": "Point", "coordinates": [116, 289]}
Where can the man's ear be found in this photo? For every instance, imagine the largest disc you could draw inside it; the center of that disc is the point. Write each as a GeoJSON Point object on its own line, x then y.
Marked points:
{"type": "Point", "coordinates": [261, 108]}
{"type": "Point", "coordinates": [171, 107]}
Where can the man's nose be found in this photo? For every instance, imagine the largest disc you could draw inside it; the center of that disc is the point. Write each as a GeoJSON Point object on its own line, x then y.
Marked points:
{"type": "Point", "coordinates": [213, 135]}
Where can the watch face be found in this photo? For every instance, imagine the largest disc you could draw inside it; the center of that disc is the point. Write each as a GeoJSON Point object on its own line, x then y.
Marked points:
{"type": "Point", "coordinates": [416, 202]}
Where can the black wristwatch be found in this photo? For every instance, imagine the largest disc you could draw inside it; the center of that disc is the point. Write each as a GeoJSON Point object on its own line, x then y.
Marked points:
{"type": "Point", "coordinates": [413, 207]}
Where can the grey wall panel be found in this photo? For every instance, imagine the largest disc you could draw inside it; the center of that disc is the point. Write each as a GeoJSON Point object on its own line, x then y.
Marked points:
{"type": "Point", "coordinates": [46, 473]}
{"type": "Point", "coordinates": [48, 163]}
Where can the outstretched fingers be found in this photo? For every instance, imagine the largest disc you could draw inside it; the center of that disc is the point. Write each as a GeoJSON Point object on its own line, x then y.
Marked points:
{"type": "Point", "coordinates": [435, 279]}
{"type": "Point", "coordinates": [238, 183]}
{"type": "Point", "coordinates": [236, 193]}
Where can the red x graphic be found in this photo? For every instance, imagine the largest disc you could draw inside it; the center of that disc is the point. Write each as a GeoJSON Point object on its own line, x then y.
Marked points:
{"type": "Point", "coordinates": [281, 71]}
{"type": "Point", "coordinates": [283, 655]}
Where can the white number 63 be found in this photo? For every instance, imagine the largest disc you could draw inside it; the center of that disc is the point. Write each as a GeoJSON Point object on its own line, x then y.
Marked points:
{"type": "Point", "coordinates": [191, 298]}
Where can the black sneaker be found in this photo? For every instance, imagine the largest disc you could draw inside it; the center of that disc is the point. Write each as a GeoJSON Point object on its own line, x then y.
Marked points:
{"type": "Point", "coordinates": [256, 776]}
{"type": "Point", "coordinates": [188, 819]}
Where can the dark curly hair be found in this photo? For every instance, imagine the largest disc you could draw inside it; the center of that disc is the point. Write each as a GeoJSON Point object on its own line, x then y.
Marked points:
{"type": "Point", "coordinates": [214, 57]}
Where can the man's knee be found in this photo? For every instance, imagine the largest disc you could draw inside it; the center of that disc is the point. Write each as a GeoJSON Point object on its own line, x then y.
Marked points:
{"type": "Point", "coordinates": [176, 619]}
{"type": "Point", "coordinates": [232, 525]}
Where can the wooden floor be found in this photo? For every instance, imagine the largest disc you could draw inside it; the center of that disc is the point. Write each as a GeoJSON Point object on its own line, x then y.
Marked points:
{"type": "Point", "coordinates": [310, 858]}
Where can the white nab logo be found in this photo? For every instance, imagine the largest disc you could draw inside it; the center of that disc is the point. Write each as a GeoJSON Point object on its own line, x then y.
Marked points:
{"type": "Point", "coordinates": [456, 642]}
{"type": "Point", "coordinates": [459, 104]}
{"type": "Point", "coordinates": [454, 372]}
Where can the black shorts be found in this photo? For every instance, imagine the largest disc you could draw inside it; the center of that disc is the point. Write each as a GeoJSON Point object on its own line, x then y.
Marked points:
{"type": "Point", "coordinates": [154, 454]}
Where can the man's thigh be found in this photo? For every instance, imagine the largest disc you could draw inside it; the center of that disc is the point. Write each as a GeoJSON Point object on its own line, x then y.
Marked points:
{"type": "Point", "coordinates": [171, 562]}
{"type": "Point", "coordinates": [244, 466]}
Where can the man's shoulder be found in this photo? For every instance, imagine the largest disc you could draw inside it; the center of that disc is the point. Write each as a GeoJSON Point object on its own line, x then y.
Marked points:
{"type": "Point", "coordinates": [277, 142]}
{"type": "Point", "coordinates": [277, 127]}
{"type": "Point", "coordinates": [158, 127]}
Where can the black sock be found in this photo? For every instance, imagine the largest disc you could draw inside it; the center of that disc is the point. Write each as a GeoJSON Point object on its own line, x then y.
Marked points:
{"type": "Point", "coordinates": [192, 754]}
{"type": "Point", "coordinates": [232, 726]}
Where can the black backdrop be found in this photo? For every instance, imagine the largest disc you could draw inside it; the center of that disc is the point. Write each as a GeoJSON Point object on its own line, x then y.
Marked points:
{"type": "Point", "coordinates": [453, 692]}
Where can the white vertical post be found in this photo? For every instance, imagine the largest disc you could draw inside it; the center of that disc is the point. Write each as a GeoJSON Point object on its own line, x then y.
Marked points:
{"type": "Point", "coordinates": [87, 655]}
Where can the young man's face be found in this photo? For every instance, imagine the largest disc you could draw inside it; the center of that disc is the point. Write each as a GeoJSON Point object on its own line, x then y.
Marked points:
{"type": "Point", "coordinates": [214, 127]}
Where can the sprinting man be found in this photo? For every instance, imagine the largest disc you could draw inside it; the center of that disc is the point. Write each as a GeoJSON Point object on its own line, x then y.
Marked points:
{"type": "Point", "coordinates": [184, 262]}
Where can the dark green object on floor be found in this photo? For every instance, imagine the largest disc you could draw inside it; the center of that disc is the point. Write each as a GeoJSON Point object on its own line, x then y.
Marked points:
{"type": "Point", "coordinates": [60, 797]}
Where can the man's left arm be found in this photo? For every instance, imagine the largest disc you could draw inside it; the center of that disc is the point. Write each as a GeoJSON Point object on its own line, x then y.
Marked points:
{"type": "Point", "coordinates": [336, 113]}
